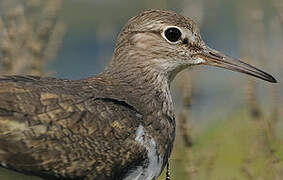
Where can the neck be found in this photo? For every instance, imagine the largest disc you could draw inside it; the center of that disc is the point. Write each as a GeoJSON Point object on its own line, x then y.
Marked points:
{"type": "Point", "coordinates": [146, 88]}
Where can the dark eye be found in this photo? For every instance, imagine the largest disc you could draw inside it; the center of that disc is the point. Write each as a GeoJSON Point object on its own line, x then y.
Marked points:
{"type": "Point", "coordinates": [173, 34]}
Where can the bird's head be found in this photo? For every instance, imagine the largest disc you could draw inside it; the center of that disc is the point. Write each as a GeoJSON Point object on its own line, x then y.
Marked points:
{"type": "Point", "coordinates": [168, 42]}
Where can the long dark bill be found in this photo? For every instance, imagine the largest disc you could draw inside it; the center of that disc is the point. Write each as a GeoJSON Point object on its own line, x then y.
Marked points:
{"type": "Point", "coordinates": [215, 58]}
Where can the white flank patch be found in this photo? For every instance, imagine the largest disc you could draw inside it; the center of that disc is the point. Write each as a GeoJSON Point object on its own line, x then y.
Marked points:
{"type": "Point", "coordinates": [153, 168]}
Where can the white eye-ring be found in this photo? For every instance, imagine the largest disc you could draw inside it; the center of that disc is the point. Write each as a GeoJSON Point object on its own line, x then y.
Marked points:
{"type": "Point", "coordinates": [172, 34]}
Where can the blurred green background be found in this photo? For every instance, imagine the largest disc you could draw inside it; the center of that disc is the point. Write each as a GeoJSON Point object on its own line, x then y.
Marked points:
{"type": "Point", "coordinates": [230, 126]}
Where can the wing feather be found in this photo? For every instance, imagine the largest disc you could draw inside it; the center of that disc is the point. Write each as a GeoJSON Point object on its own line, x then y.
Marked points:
{"type": "Point", "coordinates": [47, 131]}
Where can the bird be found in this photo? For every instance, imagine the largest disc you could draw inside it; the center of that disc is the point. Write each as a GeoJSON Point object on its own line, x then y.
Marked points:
{"type": "Point", "coordinates": [118, 124]}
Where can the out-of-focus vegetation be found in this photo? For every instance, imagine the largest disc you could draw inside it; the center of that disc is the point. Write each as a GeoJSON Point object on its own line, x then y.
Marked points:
{"type": "Point", "coordinates": [29, 36]}
{"type": "Point", "coordinates": [229, 126]}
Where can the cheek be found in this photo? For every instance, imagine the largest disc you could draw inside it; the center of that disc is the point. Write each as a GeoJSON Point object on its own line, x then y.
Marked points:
{"type": "Point", "coordinates": [154, 45]}
{"type": "Point", "coordinates": [145, 41]}
{"type": "Point", "coordinates": [182, 53]}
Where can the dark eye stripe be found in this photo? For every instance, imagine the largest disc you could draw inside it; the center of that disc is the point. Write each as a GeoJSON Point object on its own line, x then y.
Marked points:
{"type": "Point", "coordinates": [172, 34]}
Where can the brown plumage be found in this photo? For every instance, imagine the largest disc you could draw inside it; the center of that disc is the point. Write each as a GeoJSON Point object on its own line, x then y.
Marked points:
{"type": "Point", "coordinates": [119, 124]}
